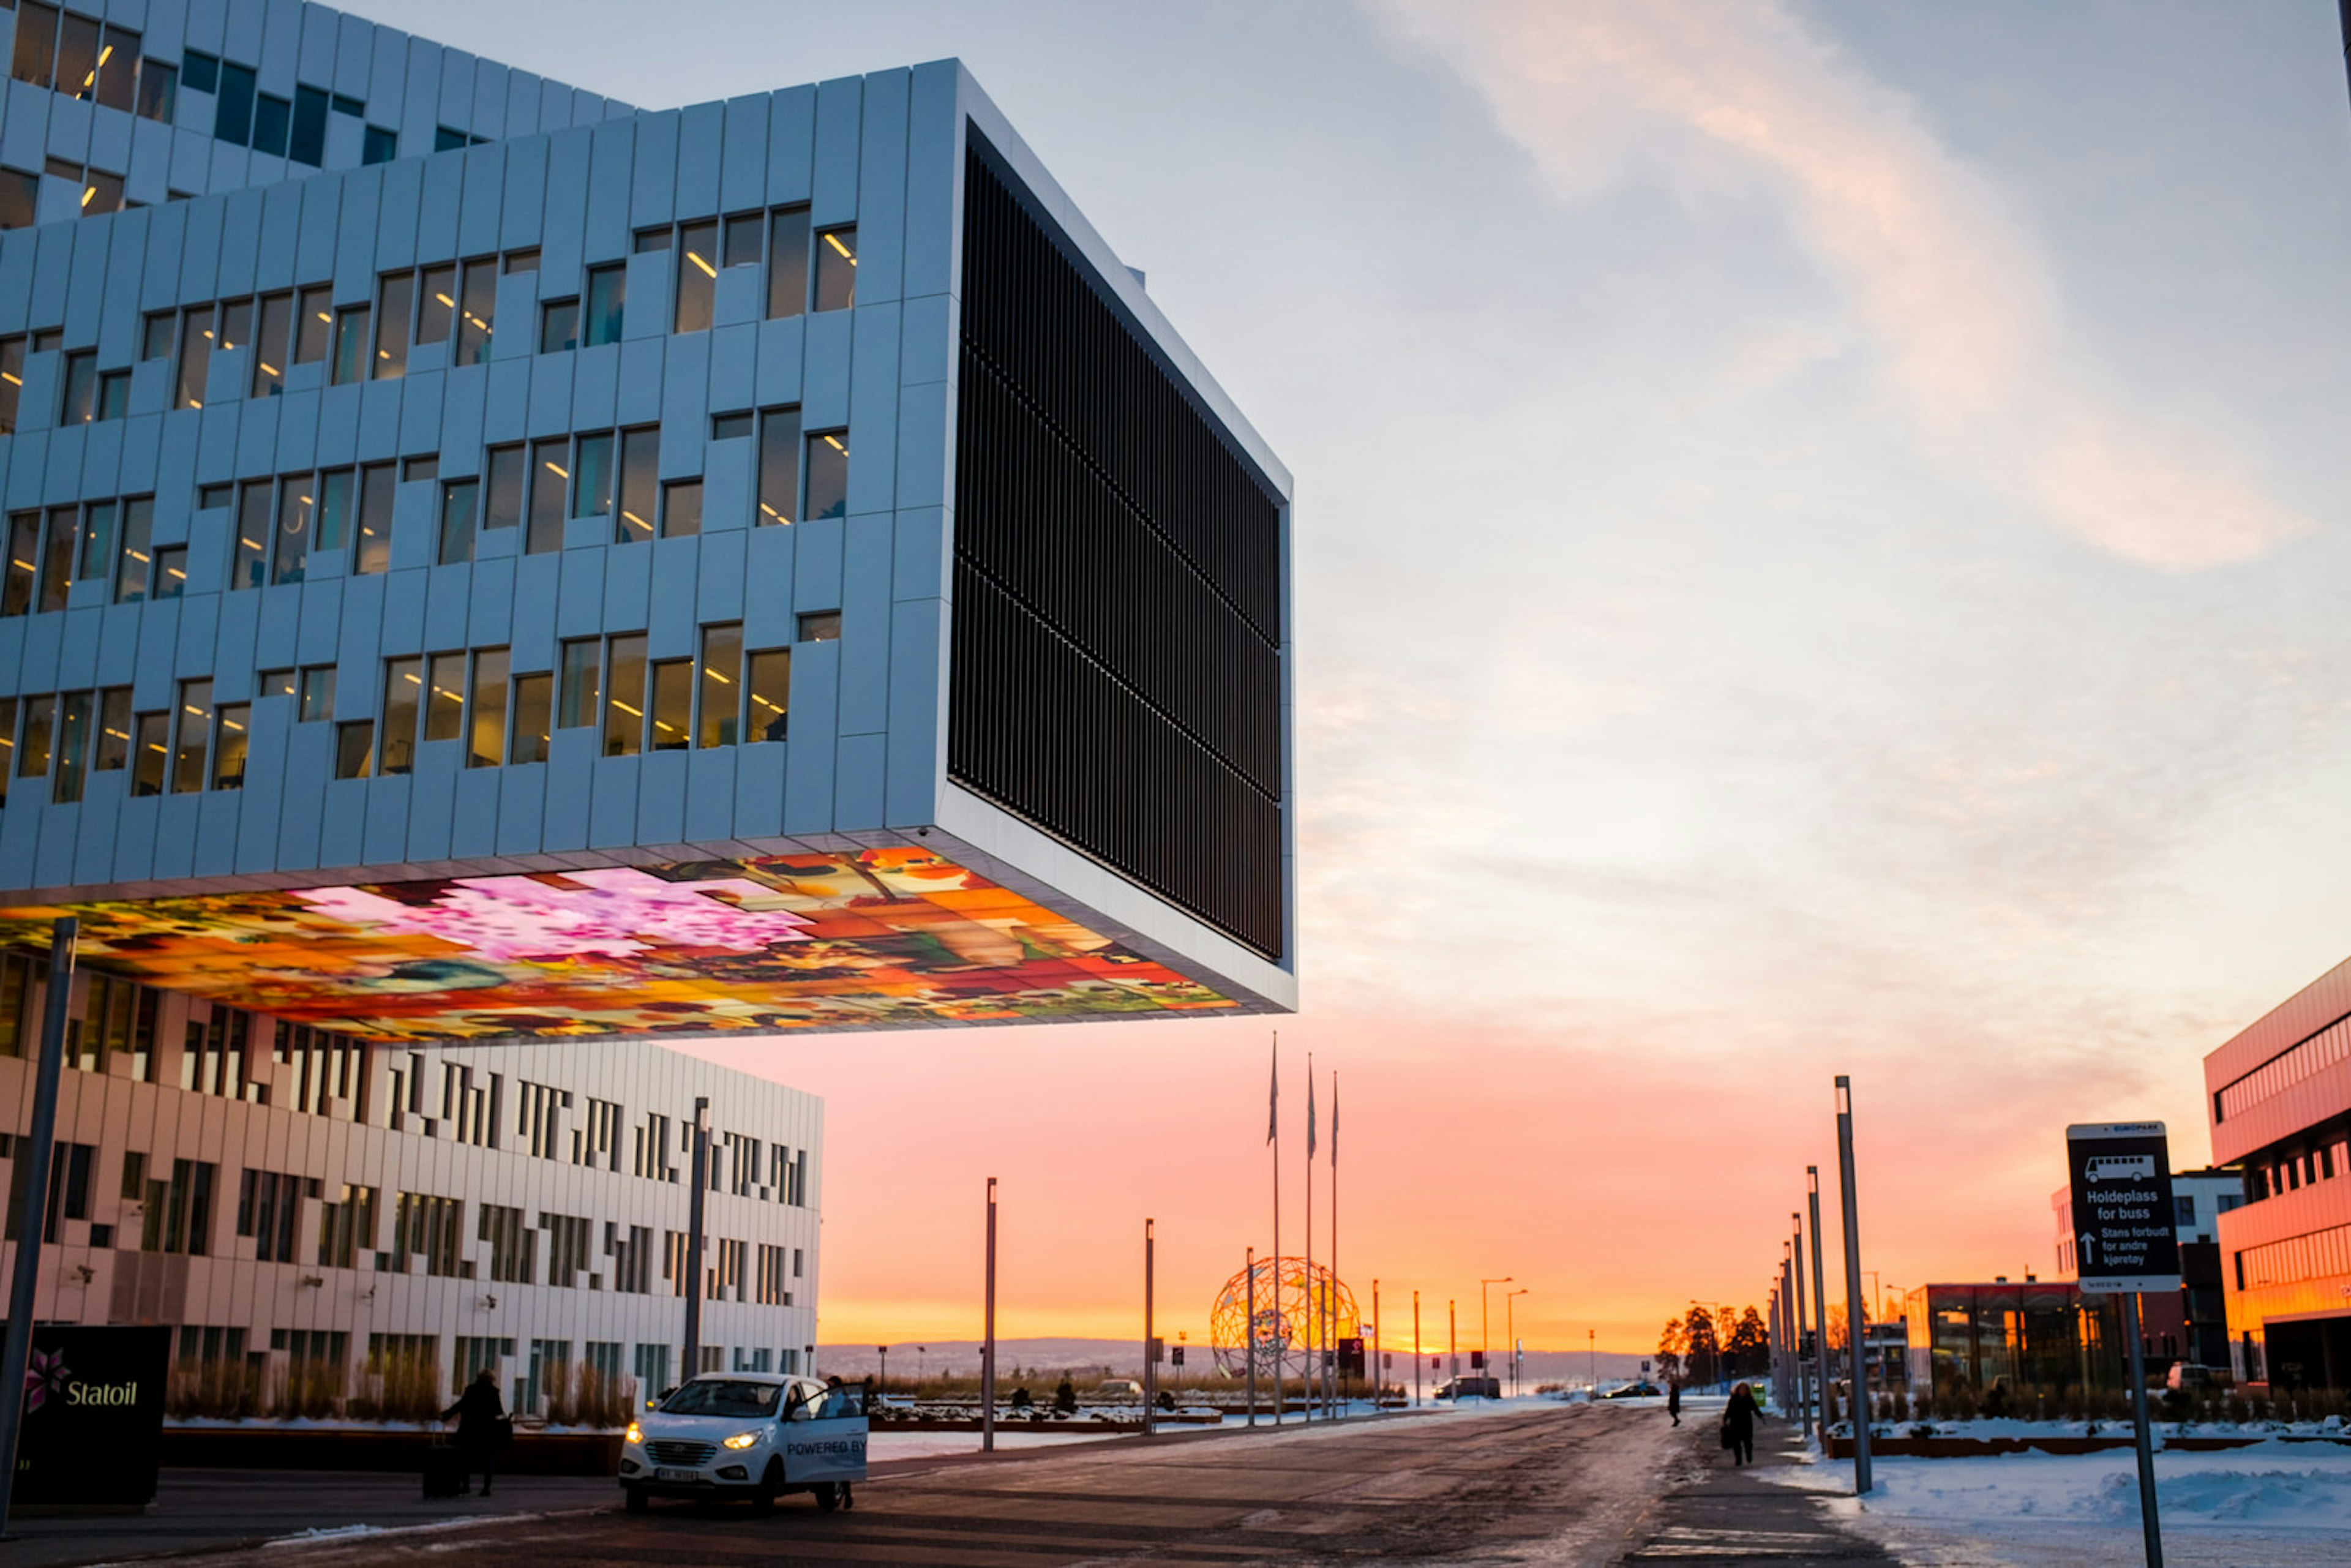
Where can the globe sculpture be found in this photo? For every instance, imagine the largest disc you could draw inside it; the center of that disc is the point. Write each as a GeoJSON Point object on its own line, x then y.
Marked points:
{"type": "Point", "coordinates": [1300, 1306]}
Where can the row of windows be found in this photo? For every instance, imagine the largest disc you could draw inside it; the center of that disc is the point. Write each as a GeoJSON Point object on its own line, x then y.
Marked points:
{"type": "Point", "coordinates": [2308, 1056]}
{"type": "Point", "coordinates": [2317, 1255]}
{"type": "Point", "coordinates": [453, 302]}
{"type": "Point", "coordinates": [81, 58]}
{"type": "Point", "coordinates": [2273, 1176]}
{"type": "Point", "coordinates": [538, 487]}
{"type": "Point", "coordinates": [727, 695]}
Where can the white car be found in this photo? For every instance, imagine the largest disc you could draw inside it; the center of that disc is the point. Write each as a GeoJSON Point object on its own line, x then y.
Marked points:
{"type": "Point", "coordinates": [748, 1435]}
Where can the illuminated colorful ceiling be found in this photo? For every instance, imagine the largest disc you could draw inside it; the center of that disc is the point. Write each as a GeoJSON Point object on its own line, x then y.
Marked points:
{"type": "Point", "coordinates": [878, 938]}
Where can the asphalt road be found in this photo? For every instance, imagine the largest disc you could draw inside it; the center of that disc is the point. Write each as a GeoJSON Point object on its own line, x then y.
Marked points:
{"type": "Point", "coordinates": [1563, 1485]}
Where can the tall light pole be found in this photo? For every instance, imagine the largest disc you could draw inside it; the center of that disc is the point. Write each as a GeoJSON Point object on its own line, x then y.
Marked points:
{"type": "Point", "coordinates": [1857, 1305]}
{"type": "Point", "coordinates": [1796, 1283]}
{"type": "Point", "coordinates": [1150, 1346]}
{"type": "Point", "coordinates": [1820, 1314]}
{"type": "Point", "coordinates": [37, 1150]}
{"type": "Point", "coordinates": [1592, 1343]}
{"type": "Point", "coordinates": [884, 1351]}
{"type": "Point", "coordinates": [988, 1352]}
{"type": "Point", "coordinates": [1484, 1349]}
{"type": "Point", "coordinates": [1452, 1342]}
{"type": "Point", "coordinates": [1510, 1333]}
{"type": "Point", "coordinates": [1248, 1335]}
{"type": "Point", "coordinates": [1416, 1349]}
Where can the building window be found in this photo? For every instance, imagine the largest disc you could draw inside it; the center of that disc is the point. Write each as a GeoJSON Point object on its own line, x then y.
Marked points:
{"type": "Point", "coordinates": [477, 309]}
{"type": "Point", "coordinates": [314, 323]}
{"type": "Point", "coordinates": [12, 381]}
{"type": "Point", "coordinates": [769, 689]}
{"type": "Point", "coordinates": [591, 488]}
{"type": "Point", "coordinates": [722, 687]}
{"type": "Point", "coordinates": [317, 703]}
{"type": "Point", "coordinates": [502, 499]}
{"type": "Point", "coordinates": [113, 730]}
{"type": "Point", "coordinates": [355, 749]}
{"type": "Point", "coordinates": [73, 747]}
{"type": "Point", "coordinates": [624, 702]}
{"type": "Point", "coordinates": [820, 626]}
{"type": "Point", "coordinates": [234, 723]}
{"type": "Point", "coordinates": [534, 700]}
{"type": "Point", "coordinates": [730, 426]}
{"type": "Point", "coordinates": [273, 119]}
{"type": "Point", "coordinates": [36, 44]}
{"type": "Point", "coordinates": [680, 509]}
{"type": "Point", "coordinates": [97, 542]}
{"type": "Point", "coordinates": [558, 326]}
{"type": "Point", "coordinates": [308, 144]}
{"type": "Point", "coordinates": [445, 701]}
{"type": "Point", "coordinates": [379, 145]}
{"type": "Point", "coordinates": [639, 484]}
{"type": "Point", "coordinates": [836, 268]}
{"type": "Point", "coordinates": [673, 706]}
{"type": "Point", "coordinates": [697, 276]}
{"type": "Point", "coordinates": [350, 345]}
{"type": "Point", "coordinates": [582, 693]}
{"type": "Point", "coordinates": [548, 477]}
{"type": "Point", "coordinates": [779, 465]}
{"type": "Point", "coordinates": [787, 263]}
{"type": "Point", "coordinates": [489, 745]}
{"type": "Point", "coordinates": [457, 520]}
{"type": "Point", "coordinates": [347, 1228]}
{"type": "Point", "coordinates": [289, 549]}
{"type": "Point", "coordinates": [81, 389]}
{"type": "Point", "coordinates": [249, 559]}
{"type": "Point", "coordinates": [827, 475]}
{"type": "Point", "coordinates": [150, 752]}
{"type": "Point", "coordinates": [192, 738]}
{"type": "Point", "coordinates": [158, 91]}
{"type": "Point", "coordinates": [268, 1207]}
{"type": "Point", "coordinates": [394, 305]}
{"type": "Point", "coordinates": [134, 578]}
{"type": "Point", "coordinates": [58, 556]}
{"type": "Point", "coordinates": [403, 702]}
{"type": "Point", "coordinates": [270, 342]}
{"type": "Point", "coordinates": [608, 295]}
{"type": "Point", "coordinates": [20, 199]}
{"type": "Point", "coordinates": [23, 549]}
{"type": "Point", "coordinates": [374, 548]}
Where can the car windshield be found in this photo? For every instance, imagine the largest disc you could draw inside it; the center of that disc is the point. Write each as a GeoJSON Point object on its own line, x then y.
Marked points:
{"type": "Point", "coordinates": [723, 1397]}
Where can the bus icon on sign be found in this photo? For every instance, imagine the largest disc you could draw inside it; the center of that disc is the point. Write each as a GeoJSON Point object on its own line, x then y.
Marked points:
{"type": "Point", "coordinates": [2099, 1169]}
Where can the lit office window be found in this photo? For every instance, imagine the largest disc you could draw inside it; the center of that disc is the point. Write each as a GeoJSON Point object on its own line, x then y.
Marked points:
{"type": "Point", "coordinates": [624, 702]}
{"type": "Point", "coordinates": [828, 474]}
{"type": "Point", "coordinates": [314, 325]}
{"type": "Point", "coordinates": [820, 626]}
{"type": "Point", "coordinates": [488, 747]}
{"type": "Point", "coordinates": [12, 381]}
{"type": "Point", "coordinates": [193, 740]}
{"type": "Point", "coordinates": [159, 91]}
{"type": "Point", "coordinates": [398, 302]}
{"type": "Point", "coordinates": [640, 484]}
{"type": "Point", "coordinates": [332, 528]}
{"type": "Point", "coordinates": [444, 711]}
{"type": "Point", "coordinates": [33, 752]}
{"type": "Point", "coordinates": [836, 268]}
{"type": "Point", "coordinates": [135, 580]}
{"type": "Point", "coordinates": [317, 698]}
{"type": "Point", "coordinates": [249, 555]}
{"type": "Point", "coordinates": [681, 509]}
{"type": "Point", "coordinates": [150, 752]}
{"type": "Point", "coordinates": [58, 556]}
{"type": "Point", "coordinates": [355, 749]}
{"type": "Point", "coordinates": [113, 753]}
{"type": "Point", "coordinates": [534, 699]}
{"type": "Point", "coordinates": [403, 702]}
{"type": "Point", "coordinates": [170, 572]}
{"type": "Point", "coordinates": [81, 389]}
{"type": "Point", "coordinates": [779, 465]}
{"type": "Point", "coordinates": [438, 307]}
{"type": "Point", "coordinates": [769, 678]}
{"type": "Point", "coordinates": [350, 346]}
{"type": "Point", "coordinates": [270, 341]}
{"type": "Point", "coordinates": [73, 747]}
{"type": "Point", "coordinates": [548, 480]}
{"type": "Point", "coordinates": [297, 507]}
{"type": "Point", "coordinates": [97, 542]}
{"type": "Point", "coordinates": [697, 276]}
{"type": "Point", "coordinates": [373, 550]}
{"type": "Point", "coordinates": [458, 499]}
{"type": "Point", "coordinates": [477, 306]}
{"type": "Point", "coordinates": [673, 705]}
{"type": "Point", "coordinates": [722, 687]}
{"type": "Point", "coordinates": [36, 44]}
{"type": "Point", "coordinates": [234, 723]}
{"type": "Point", "coordinates": [591, 488]}
{"type": "Point", "coordinates": [24, 554]}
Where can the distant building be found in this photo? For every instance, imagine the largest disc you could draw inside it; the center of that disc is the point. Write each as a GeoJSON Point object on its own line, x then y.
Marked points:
{"type": "Point", "coordinates": [2195, 1328]}
{"type": "Point", "coordinates": [2280, 1101]}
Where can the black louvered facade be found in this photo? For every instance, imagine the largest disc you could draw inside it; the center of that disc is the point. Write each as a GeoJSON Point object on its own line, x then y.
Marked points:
{"type": "Point", "coordinates": [1116, 675]}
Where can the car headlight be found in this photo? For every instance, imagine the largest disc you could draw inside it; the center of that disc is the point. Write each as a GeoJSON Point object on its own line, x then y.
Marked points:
{"type": "Point", "coordinates": [635, 1434]}
{"type": "Point", "coordinates": [742, 1439]}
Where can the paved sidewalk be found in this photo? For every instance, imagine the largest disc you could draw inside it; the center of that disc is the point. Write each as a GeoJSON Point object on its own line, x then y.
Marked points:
{"type": "Point", "coordinates": [211, 1511]}
{"type": "Point", "coordinates": [1730, 1515]}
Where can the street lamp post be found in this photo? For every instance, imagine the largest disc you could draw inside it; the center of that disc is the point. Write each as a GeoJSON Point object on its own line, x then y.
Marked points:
{"type": "Point", "coordinates": [1592, 1344]}
{"type": "Point", "coordinates": [1510, 1333]}
{"type": "Point", "coordinates": [1485, 1349]}
{"type": "Point", "coordinates": [883, 1350]}
{"type": "Point", "coordinates": [1416, 1349]}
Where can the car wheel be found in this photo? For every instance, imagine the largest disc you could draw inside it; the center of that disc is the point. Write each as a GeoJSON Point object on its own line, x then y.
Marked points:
{"type": "Point", "coordinates": [638, 1502]}
{"type": "Point", "coordinates": [771, 1484]}
{"type": "Point", "coordinates": [828, 1496]}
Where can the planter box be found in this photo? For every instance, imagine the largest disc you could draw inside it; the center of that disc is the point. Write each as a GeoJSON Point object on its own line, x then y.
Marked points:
{"type": "Point", "coordinates": [301, 1448]}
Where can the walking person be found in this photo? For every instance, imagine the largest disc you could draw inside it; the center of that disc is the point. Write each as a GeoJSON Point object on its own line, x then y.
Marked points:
{"type": "Point", "coordinates": [481, 1418]}
{"type": "Point", "coordinates": [1738, 1425]}
{"type": "Point", "coordinates": [1674, 1399]}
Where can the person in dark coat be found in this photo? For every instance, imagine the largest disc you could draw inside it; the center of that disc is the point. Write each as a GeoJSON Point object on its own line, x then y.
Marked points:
{"type": "Point", "coordinates": [1739, 1425]}
{"type": "Point", "coordinates": [1673, 1401]}
{"type": "Point", "coordinates": [481, 1418]}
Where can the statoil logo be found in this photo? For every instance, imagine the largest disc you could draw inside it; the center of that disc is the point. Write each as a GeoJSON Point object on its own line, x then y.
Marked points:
{"type": "Point", "coordinates": [102, 1393]}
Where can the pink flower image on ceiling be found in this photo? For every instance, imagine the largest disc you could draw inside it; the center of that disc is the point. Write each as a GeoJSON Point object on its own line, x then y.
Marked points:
{"type": "Point", "coordinates": [622, 912]}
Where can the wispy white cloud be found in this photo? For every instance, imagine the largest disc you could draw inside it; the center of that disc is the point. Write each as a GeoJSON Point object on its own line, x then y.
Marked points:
{"type": "Point", "coordinates": [1938, 274]}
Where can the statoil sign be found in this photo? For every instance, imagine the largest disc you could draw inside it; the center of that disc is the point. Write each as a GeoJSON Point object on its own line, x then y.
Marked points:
{"type": "Point", "coordinates": [93, 1417]}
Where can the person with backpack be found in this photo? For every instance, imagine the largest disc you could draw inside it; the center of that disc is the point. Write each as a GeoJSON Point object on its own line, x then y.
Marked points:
{"type": "Point", "coordinates": [1738, 1425]}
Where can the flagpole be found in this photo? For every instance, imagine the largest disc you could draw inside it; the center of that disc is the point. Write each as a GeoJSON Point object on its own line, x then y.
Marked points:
{"type": "Point", "coordinates": [1273, 1134]}
{"type": "Point", "coordinates": [1313, 1317]}
{"type": "Point", "coordinates": [1332, 1338]}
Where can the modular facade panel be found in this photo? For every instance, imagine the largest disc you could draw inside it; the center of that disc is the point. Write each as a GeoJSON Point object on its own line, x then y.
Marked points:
{"type": "Point", "coordinates": [416, 559]}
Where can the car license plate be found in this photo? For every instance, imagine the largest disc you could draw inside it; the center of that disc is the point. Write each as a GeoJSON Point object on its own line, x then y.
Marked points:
{"type": "Point", "coordinates": [665, 1474]}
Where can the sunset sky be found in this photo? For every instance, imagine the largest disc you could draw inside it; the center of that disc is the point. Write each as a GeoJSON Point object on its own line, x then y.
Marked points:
{"type": "Point", "coordinates": [1820, 547]}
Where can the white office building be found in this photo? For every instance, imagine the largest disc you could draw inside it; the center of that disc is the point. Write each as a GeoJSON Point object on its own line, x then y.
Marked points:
{"type": "Point", "coordinates": [316, 1216]}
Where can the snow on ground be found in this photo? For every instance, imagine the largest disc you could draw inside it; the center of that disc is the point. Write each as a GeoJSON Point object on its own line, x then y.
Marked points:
{"type": "Point", "coordinates": [885, 1444]}
{"type": "Point", "coordinates": [2273, 1505]}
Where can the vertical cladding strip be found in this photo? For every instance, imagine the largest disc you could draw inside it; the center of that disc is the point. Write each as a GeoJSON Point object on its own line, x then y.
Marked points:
{"type": "Point", "coordinates": [1116, 660]}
